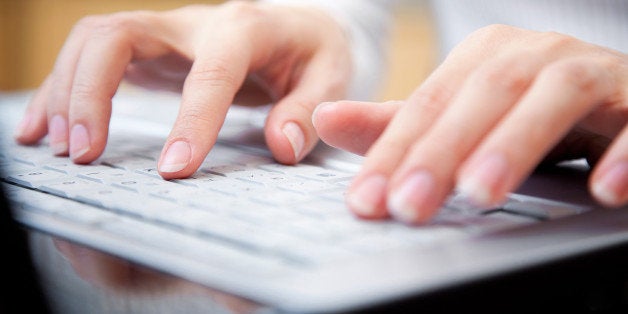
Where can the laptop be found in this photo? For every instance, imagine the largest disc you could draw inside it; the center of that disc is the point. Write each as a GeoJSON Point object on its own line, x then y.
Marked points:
{"type": "Point", "coordinates": [281, 235]}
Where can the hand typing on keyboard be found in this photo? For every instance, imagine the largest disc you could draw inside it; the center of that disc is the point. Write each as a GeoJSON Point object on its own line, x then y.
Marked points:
{"type": "Point", "coordinates": [502, 102]}
{"type": "Point", "coordinates": [253, 52]}
{"type": "Point", "coordinates": [484, 119]}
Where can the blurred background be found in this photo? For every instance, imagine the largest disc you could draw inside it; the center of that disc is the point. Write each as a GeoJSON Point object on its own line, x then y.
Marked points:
{"type": "Point", "coordinates": [33, 31]}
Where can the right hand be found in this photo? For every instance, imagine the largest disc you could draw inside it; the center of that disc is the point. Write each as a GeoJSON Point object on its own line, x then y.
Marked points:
{"type": "Point", "coordinates": [504, 101]}
{"type": "Point", "coordinates": [296, 56]}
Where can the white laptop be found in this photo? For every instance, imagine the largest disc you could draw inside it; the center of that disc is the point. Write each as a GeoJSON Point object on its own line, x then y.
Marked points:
{"type": "Point", "coordinates": [281, 235]}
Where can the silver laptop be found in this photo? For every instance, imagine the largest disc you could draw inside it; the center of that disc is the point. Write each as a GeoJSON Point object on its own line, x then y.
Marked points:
{"type": "Point", "coordinates": [281, 235]}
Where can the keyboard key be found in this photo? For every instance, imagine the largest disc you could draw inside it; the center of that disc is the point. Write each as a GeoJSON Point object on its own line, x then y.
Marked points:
{"type": "Point", "coordinates": [129, 162]}
{"type": "Point", "coordinates": [103, 174]}
{"type": "Point", "coordinates": [34, 178]}
{"type": "Point", "coordinates": [68, 187]}
{"type": "Point", "coordinates": [541, 210]}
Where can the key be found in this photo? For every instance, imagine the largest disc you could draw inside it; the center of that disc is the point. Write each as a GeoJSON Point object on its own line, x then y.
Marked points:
{"type": "Point", "coordinates": [68, 167]}
{"type": "Point", "coordinates": [264, 177]}
{"type": "Point", "coordinates": [129, 162]}
{"type": "Point", "coordinates": [201, 180]}
{"type": "Point", "coordinates": [240, 188]}
{"type": "Point", "coordinates": [227, 170]}
{"type": "Point", "coordinates": [543, 211]}
{"type": "Point", "coordinates": [149, 171]}
{"type": "Point", "coordinates": [34, 178]}
{"type": "Point", "coordinates": [68, 187]}
{"type": "Point", "coordinates": [103, 175]}
{"type": "Point", "coordinates": [462, 204]}
{"type": "Point", "coordinates": [478, 224]}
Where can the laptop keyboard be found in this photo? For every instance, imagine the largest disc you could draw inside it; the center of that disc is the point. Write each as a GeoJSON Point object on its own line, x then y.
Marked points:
{"type": "Point", "coordinates": [240, 208]}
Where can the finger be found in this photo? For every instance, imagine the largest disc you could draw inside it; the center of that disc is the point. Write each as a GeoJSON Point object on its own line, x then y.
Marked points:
{"type": "Point", "coordinates": [426, 175]}
{"type": "Point", "coordinates": [533, 127]}
{"type": "Point", "coordinates": [34, 124]}
{"type": "Point", "coordinates": [58, 95]}
{"type": "Point", "coordinates": [114, 40]}
{"type": "Point", "coordinates": [609, 180]}
{"type": "Point", "coordinates": [367, 194]}
{"type": "Point", "coordinates": [98, 73]}
{"type": "Point", "coordinates": [289, 131]}
{"type": "Point", "coordinates": [351, 125]}
{"type": "Point", "coordinates": [208, 91]}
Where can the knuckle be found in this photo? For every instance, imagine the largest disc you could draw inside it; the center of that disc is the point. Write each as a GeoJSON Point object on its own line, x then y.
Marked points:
{"type": "Point", "coordinates": [83, 90]}
{"type": "Point", "coordinates": [89, 21]}
{"type": "Point", "coordinates": [245, 12]}
{"type": "Point", "coordinates": [490, 32]}
{"type": "Point", "coordinates": [432, 98]}
{"type": "Point", "coordinates": [240, 8]}
{"type": "Point", "coordinates": [215, 74]}
{"type": "Point", "coordinates": [512, 74]}
{"type": "Point", "coordinates": [576, 73]}
{"type": "Point", "coordinates": [122, 25]}
{"type": "Point", "coordinates": [553, 42]}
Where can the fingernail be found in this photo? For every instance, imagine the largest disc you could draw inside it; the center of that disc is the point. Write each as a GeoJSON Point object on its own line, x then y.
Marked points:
{"type": "Point", "coordinates": [612, 187]}
{"type": "Point", "coordinates": [482, 181]}
{"type": "Point", "coordinates": [296, 138]}
{"type": "Point", "coordinates": [176, 158]}
{"type": "Point", "coordinates": [365, 198]}
{"type": "Point", "coordinates": [79, 141]}
{"type": "Point", "coordinates": [23, 125]}
{"type": "Point", "coordinates": [415, 191]}
{"type": "Point", "coordinates": [58, 135]}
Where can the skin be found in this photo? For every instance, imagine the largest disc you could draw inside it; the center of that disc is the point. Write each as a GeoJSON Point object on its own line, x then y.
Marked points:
{"type": "Point", "coordinates": [555, 96]}
{"type": "Point", "coordinates": [250, 53]}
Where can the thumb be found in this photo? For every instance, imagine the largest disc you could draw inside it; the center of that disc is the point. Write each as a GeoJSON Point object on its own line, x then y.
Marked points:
{"type": "Point", "coordinates": [353, 125]}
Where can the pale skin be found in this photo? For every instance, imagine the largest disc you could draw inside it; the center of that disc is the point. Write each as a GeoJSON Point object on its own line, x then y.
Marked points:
{"type": "Point", "coordinates": [214, 55]}
{"type": "Point", "coordinates": [553, 95]}
{"type": "Point", "coordinates": [500, 103]}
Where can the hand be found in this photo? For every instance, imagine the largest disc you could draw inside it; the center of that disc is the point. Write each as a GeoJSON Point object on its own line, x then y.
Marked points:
{"type": "Point", "coordinates": [503, 101]}
{"type": "Point", "coordinates": [296, 57]}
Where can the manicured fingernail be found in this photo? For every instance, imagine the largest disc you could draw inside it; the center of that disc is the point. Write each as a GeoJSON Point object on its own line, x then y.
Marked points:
{"type": "Point", "coordinates": [176, 158]}
{"type": "Point", "coordinates": [365, 198]}
{"type": "Point", "coordinates": [295, 136]}
{"type": "Point", "coordinates": [405, 202]}
{"type": "Point", "coordinates": [58, 135]}
{"type": "Point", "coordinates": [79, 141]}
{"type": "Point", "coordinates": [612, 188]}
{"type": "Point", "coordinates": [481, 182]}
{"type": "Point", "coordinates": [23, 125]}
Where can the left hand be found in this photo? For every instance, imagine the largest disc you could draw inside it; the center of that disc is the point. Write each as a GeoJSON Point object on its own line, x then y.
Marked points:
{"type": "Point", "coordinates": [503, 101]}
